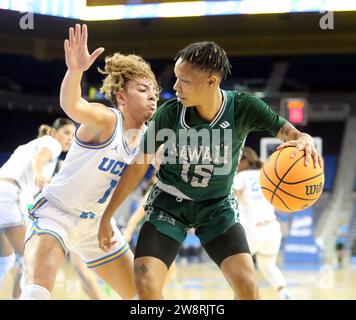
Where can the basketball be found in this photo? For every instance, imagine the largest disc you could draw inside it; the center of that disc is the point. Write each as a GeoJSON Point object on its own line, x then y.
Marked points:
{"type": "Point", "coordinates": [288, 184]}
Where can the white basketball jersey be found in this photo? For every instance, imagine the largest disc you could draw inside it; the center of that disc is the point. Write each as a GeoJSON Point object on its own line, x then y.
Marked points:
{"type": "Point", "coordinates": [253, 206]}
{"type": "Point", "coordinates": [90, 173]}
{"type": "Point", "coordinates": [20, 165]}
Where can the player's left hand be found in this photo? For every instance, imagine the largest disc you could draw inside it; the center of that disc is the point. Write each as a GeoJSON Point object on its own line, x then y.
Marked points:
{"type": "Point", "coordinates": [105, 235]}
{"type": "Point", "coordinates": [306, 143]}
{"type": "Point", "coordinates": [77, 56]}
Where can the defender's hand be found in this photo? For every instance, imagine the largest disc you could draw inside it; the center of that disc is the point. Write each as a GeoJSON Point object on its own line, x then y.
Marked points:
{"type": "Point", "coordinates": [77, 56]}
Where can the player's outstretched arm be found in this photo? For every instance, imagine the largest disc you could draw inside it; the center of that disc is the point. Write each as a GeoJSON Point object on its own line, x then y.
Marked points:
{"type": "Point", "coordinates": [78, 60]}
{"type": "Point", "coordinates": [127, 184]}
{"type": "Point", "coordinates": [302, 141]}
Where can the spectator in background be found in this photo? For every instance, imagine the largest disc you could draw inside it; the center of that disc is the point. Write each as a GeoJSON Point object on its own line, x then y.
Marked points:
{"type": "Point", "coordinates": [29, 168]}
{"type": "Point", "coordinates": [341, 240]}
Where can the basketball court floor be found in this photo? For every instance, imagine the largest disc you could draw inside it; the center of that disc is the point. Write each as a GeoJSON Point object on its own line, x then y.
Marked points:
{"type": "Point", "coordinates": [203, 281]}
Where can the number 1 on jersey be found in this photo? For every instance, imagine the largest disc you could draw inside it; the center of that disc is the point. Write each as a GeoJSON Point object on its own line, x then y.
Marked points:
{"type": "Point", "coordinates": [113, 184]}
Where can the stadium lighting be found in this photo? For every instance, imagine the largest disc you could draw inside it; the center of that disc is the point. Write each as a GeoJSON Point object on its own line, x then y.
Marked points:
{"type": "Point", "coordinates": [340, 5]}
{"type": "Point", "coordinates": [261, 7]}
{"type": "Point", "coordinates": [101, 13]}
{"type": "Point", "coordinates": [176, 9]}
{"type": "Point", "coordinates": [79, 8]}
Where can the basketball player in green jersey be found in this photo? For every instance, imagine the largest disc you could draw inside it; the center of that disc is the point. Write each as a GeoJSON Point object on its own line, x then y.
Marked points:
{"type": "Point", "coordinates": [202, 132]}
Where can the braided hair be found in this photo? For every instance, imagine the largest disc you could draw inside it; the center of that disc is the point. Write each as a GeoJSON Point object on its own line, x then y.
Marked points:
{"type": "Point", "coordinates": [206, 56]}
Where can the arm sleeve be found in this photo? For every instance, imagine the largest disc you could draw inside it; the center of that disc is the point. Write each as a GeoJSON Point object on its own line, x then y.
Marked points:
{"type": "Point", "coordinates": [160, 128]}
{"type": "Point", "coordinates": [52, 144]}
{"type": "Point", "coordinates": [255, 115]}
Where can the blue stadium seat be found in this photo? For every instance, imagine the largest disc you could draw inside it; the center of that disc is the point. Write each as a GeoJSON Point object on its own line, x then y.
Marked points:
{"type": "Point", "coordinates": [329, 171]}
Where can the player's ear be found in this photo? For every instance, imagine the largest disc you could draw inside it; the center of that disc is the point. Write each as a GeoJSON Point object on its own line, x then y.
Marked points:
{"type": "Point", "coordinates": [212, 81]}
{"type": "Point", "coordinates": [120, 97]}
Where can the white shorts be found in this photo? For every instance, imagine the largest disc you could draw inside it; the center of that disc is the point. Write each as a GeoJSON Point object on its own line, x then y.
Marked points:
{"type": "Point", "coordinates": [13, 209]}
{"type": "Point", "coordinates": [264, 240]}
{"type": "Point", "coordinates": [74, 233]}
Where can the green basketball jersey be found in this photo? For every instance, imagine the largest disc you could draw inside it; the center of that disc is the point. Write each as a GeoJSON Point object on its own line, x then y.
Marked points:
{"type": "Point", "coordinates": [200, 158]}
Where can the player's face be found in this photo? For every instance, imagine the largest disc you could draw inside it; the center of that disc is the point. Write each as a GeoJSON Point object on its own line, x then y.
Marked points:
{"type": "Point", "coordinates": [192, 85]}
{"type": "Point", "coordinates": [64, 135]}
{"type": "Point", "coordinates": [140, 99]}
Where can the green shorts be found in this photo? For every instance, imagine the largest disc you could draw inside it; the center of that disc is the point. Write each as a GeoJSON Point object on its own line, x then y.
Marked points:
{"type": "Point", "coordinates": [173, 216]}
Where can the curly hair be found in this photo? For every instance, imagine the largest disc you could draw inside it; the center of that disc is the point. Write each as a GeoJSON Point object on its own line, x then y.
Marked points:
{"type": "Point", "coordinates": [120, 69]}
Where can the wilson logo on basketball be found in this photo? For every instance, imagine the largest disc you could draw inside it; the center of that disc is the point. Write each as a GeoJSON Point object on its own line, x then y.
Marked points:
{"type": "Point", "coordinates": [313, 189]}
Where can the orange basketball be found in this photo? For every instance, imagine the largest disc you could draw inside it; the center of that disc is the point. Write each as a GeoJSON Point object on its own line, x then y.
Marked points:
{"type": "Point", "coordinates": [288, 184]}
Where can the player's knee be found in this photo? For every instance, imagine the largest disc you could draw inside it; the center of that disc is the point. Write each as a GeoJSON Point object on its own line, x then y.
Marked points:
{"type": "Point", "coordinates": [132, 295]}
{"type": "Point", "coordinates": [246, 282]}
{"type": "Point", "coordinates": [35, 292]}
{"type": "Point", "coordinates": [129, 294]}
{"type": "Point", "coordinates": [42, 275]}
{"type": "Point", "coordinates": [6, 264]}
{"type": "Point", "coordinates": [146, 282]}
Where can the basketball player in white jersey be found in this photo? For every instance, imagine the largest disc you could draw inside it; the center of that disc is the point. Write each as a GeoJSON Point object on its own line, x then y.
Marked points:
{"type": "Point", "coordinates": [28, 169]}
{"type": "Point", "coordinates": [66, 216]}
{"type": "Point", "coordinates": [88, 279]}
{"type": "Point", "coordinates": [257, 216]}
{"type": "Point", "coordinates": [7, 252]}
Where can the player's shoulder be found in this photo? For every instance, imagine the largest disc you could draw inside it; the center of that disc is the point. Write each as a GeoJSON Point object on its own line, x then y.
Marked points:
{"type": "Point", "coordinates": [48, 142]}
{"type": "Point", "coordinates": [167, 112]}
{"type": "Point", "coordinates": [253, 172]}
{"type": "Point", "coordinates": [47, 139]}
{"type": "Point", "coordinates": [249, 173]}
{"type": "Point", "coordinates": [241, 175]}
{"type": "Point", "coordinates": [245, 99]}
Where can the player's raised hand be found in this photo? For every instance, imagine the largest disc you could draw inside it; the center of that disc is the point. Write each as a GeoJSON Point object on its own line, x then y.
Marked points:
{"type": "Point", "coordinates": [76, 51]}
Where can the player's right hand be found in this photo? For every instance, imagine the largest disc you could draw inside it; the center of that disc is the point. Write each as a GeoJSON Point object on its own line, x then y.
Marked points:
{"type": "Point", "coordinates": [105, 235]}
{"type": "Point", "coordinates": [78, 58]}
